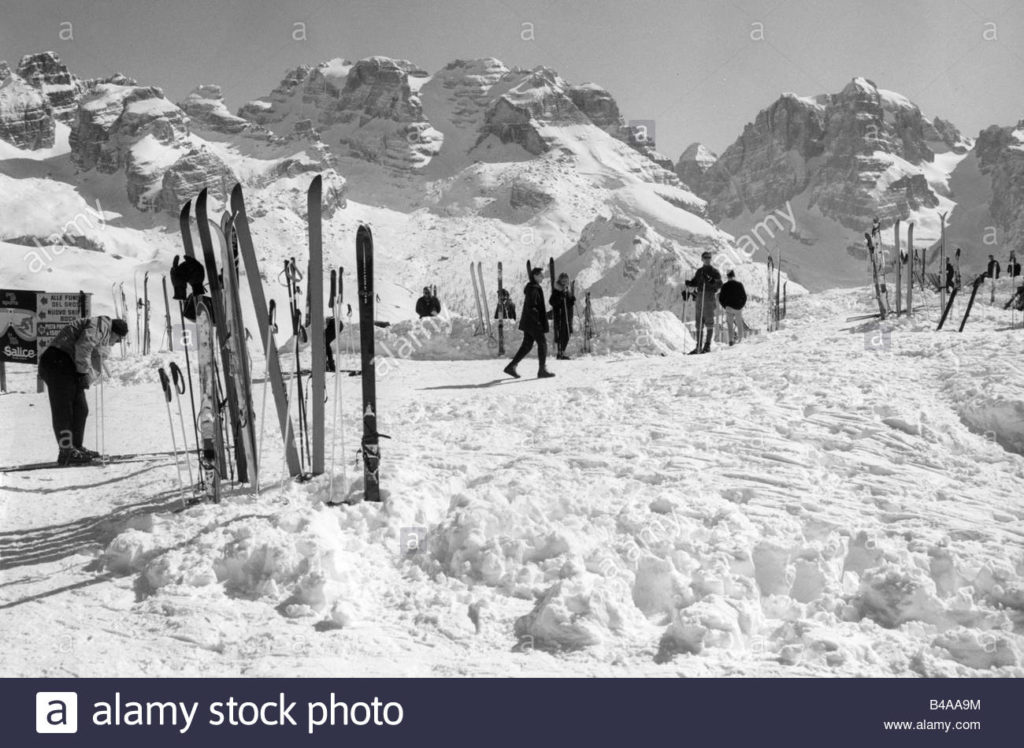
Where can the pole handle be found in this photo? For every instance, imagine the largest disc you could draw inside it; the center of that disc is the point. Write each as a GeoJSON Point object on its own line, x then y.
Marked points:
{"type": "Point", "coordinates": [165, 383]}
{"type": "Point", "coordinates": [178, 377]}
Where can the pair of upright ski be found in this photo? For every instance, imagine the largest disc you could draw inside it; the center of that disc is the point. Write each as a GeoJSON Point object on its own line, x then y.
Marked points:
{"type": "Point", "coordinates": [476, 272]}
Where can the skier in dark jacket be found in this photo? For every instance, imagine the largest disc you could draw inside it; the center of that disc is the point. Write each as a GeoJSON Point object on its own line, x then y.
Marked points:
{"type": "Point", "coordinates": [993, 267]}
{"type": "Point", "coordinates": [950, 275]}
{"type": "Point", "coordinates": [534, 324]}
{"type": "Point", "coordinates": [428, 305]}
{"type": "Point", "coordinates": [707, 280]}
{"type": "Point", "coordinates": [733, 297]}
{"type": "Point", "coordinates": [1013, 267]}
{"type": "Point", "coordinates": [68, 366]}
{"type": "Point", "coordinates": [506, 308]}
{"type": "Point", "coordinates": [562, 301]}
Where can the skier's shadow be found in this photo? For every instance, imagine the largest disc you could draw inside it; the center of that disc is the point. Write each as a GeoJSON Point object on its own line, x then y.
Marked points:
{"type": "Point", "coordinates": [482, 386]}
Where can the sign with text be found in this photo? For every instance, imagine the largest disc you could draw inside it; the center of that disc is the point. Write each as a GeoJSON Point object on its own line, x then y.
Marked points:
{"type": "Point", "coordinates": [30, 320]}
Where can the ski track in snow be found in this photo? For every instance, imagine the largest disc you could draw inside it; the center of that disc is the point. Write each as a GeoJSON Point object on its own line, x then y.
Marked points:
{"type": "Point", "coordinates": [802, 504]}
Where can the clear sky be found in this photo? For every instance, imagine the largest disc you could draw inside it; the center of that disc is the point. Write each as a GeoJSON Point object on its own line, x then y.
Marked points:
{"type": "Point", "coordinates": [699, 70]}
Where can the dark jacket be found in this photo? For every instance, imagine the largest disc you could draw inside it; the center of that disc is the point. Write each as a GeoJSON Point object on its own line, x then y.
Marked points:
{"type": "Point", "coordinates": [562, 304]}
{"type": "Point", "coordinates": [950, 275]}
{"type": "Point", "coordinates": [428, 306]}
{"type": "Point", "coordinates": [1013, 269]}
{"type": "Point", "coordinates": [993, 269]}
{"type": "Point", "coordinates": [733, 295]}
{"type": "Point", "coordinates": [706, 280]}
{"type": "Point", "coordinates": [510, 310]}
{"type": "Point", "coordinates": [535, 316]}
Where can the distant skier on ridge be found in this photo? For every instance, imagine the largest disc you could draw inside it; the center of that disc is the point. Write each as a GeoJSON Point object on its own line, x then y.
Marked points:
{"type": "Point", "coordinates": [993, 267]}
{"type": "Point", "coordinates": [534, 324]}
{"type": "Point", "coordinates": [707, 281]}
{"type": "Point", "coordinates": [67, 367]}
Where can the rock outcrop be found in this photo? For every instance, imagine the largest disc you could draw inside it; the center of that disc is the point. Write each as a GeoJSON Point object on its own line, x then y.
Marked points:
{"type": "Point", "coordinates": [856, 154]}
{"type": "Point", "coordinates": [47, 74]}
{"type": "Point", "coordinates": [1000, 154]}
{"type": "Point", "coordinates": [695, 162]}
{"type": "Point", "coordinates": [26, 119]}
{"type": "Point", "coordinates": [205, 107]}
{"type": "Point", "coordinates": [197, 170]}
{"type": "Point", "coordinates": [135, 129]}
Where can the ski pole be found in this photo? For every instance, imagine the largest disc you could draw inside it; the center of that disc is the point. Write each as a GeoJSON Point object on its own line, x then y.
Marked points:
{"type": "Point", "coordinates": [337, 425]}
{"type": "Point", "coordinates": [179, 388]}
{"type": "Point", "coordinates": [271, 329]}
{"type": "Point", "coordinates": [166, 385]}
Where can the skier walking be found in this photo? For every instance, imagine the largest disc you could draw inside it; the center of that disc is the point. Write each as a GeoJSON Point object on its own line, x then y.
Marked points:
{"type": "Point", "coordinates": [506, 308]}
{"type": "Point", "coordinates": [733, 297]}
{"type": "Point", "coordinates": [67, 367]}
{"type": "Point", "coordinates": [534, 324]}
{"type": "Point", "coordinates": [428, 305]}
{"type": "Point", "coordinates": [707, 281]}
{"type": "Point", "coordinates": [993, 268]}
{"type": "Point", "coordinates": [562, 302]}
{"type": "Point", "coordinates": [950, 275]}
{"type": "Point", "coordinates": [1013, 267]}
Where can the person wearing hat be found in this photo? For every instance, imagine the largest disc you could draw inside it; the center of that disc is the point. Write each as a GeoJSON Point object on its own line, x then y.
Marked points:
{"type": "Point", "coordinates": [562, 301]}
{"type": "Point", "coordinates": [534, 324]}
{"type": "Point", "coordinates": [428, 305]}
{"type": "Point", "coordinates": [707, 280]}
{"type": "Point", "coordinates": [733, 297]}
{"type": "Point", "coordinates": [67, 367]}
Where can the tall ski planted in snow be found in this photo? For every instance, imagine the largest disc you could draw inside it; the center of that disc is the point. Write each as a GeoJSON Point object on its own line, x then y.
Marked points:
{"type": "Point", "coordinates": [316, 313]}
{"type": "Point", "coordinates": [252, 272]}
{"type": "Point", "coordinates": [501, 314]}
{"type": "Point", "coordinates": [238, 355]}
{"type": "Point", "coordinates": [899, 268]}
{"type": "Point", "coordinates": [210, 440]}
{"type": "Point", "coordinates": [219, 313]}
{"type": "Point", "coordinates": [910, 275]}
{"type": "Point", "coordinates": [371, 438]}
{"type": "Point", "coordinates": [874, 277]}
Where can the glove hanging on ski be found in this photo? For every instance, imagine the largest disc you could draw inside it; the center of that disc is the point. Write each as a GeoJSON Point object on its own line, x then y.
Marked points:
{"type": "Point", "coordinates": [187, 272]}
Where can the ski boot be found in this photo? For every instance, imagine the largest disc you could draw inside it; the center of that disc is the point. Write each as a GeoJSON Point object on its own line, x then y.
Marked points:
{"type": "Point", "coordinates": [69, 457]}
{"type": "Point", "coordinates": [544, 374]}
{"type": "Point", "coordinates": [511, 371]}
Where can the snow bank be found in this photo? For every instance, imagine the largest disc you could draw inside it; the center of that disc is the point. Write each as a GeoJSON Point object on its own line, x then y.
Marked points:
{"type": "Point", "coordinates": [453, 338]}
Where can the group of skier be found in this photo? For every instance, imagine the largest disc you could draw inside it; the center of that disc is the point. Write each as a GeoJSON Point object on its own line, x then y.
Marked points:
{"type": "Point", "coordinates": [709, 290]}
{"type": "Point", "coordinates": [534, 320]}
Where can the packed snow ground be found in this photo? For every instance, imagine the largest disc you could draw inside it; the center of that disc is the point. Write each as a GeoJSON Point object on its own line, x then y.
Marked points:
{"type": "Point", "coordinates": [825, 500]}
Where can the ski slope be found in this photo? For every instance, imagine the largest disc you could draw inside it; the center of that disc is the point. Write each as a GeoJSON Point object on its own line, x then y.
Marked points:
{"type": "Point", "coordinates": [824, 500]}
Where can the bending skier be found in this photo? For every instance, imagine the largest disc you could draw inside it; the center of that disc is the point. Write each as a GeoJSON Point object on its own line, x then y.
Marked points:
{"type": "Point", "coordinates": [534, 324]}
{"type": "Point", "coordinates": [428, 305]}
{"type": "Point", "coordinates": [733, 297]}
{"type": "Point", "coordinates": [506, 308]}
{"type": "Point", "coordinates": [707, 280]}
{"type": "Point", "coordinates": [562, 302]}
{"type": "Point", "coordinates": [67, 367]}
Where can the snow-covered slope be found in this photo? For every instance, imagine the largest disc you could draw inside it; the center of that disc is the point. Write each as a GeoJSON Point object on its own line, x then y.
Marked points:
{"type": "Point", "coordinates": [820, 501]}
